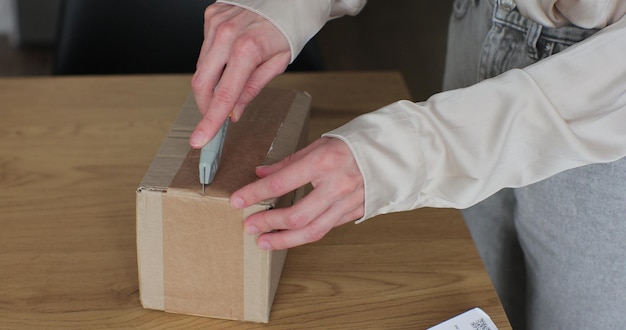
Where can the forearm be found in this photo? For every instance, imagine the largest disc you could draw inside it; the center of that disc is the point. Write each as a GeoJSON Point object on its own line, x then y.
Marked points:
{"type": "Point", "coordinates": [461, 146]}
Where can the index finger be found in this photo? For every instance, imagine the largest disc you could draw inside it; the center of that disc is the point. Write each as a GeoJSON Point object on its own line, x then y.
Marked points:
{"type": "Point", "coordinates": [226, 94]}
{"type": "Point", "coordinates": [291, 177]}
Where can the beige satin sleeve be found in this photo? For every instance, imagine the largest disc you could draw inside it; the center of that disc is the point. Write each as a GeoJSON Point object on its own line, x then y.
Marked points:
{"type": "Point", "coordinates": [583, 13]}
{"type": "Point", "coordinates": [299, 20]}
{"type": "Point", "coordinates": [461, 146]}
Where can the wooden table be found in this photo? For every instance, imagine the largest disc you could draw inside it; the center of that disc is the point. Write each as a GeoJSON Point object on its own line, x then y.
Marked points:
{"type": "Point", "coordinates": [72, 152]}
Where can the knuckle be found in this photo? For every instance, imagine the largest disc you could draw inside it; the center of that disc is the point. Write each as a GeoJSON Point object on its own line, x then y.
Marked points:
{"type": "Point", "coordinates": [325, 162]}
{"type": "Point", "coordinates": [207, 121]}
{"type": "Point", "coordinates": [316, 233]}
{"type": "Point", "coordinates": [212, 18]}
{"type": "Point", "coordinates": [210, 11]}
{"type": "Point", "coordinates": [253, 194]}
{"type": "Point", "coordinates": [197, 84]}
{"type": "Point", "coordinates": [247, 46]}
{"type": "Point", "coordinates": [287, 160]}
{"type": "Point", "coordinates": [275, 186]}
{"type": "Point", "coordinates": [295, 221]}
{"type": "Point", "coordinates": [344, 186]}
{"type": "Point", "coordinates": [224, 95]}
{"type": "Point", "coordinates": [224, 30]}
{"type": "Point", "coordinates": [252, 89]}
{"type": "Point", "coordinates": [280, 243]}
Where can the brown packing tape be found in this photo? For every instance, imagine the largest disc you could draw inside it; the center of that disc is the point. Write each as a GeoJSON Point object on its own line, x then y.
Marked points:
{"type": "Point", "coordinates": [293, 126]}
{"type": "Point", "coordinates": [150, 248]}
{"type": "Point", "coordinates": [202, 262]}
{"type": "Point", "coordinates": [173, 150]}
{"type": "Point", "coordinates": [214, 268]}
{"type": "Point", "coordinates": [247, 145]}
{"type": "Point", "coordinates": [259, 291]}
{"type": "Point", "coordinates": [256, 305]}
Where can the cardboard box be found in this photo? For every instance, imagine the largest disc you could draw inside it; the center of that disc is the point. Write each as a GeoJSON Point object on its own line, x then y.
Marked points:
{"type": "Point", "coordinates": [193, 255]}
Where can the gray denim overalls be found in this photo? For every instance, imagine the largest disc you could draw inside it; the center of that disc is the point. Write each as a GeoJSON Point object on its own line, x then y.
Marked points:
{"type": "Point", "coordinates": [556, 249]}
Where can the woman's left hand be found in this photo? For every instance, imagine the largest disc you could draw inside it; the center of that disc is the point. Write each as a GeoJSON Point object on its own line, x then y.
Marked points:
{"type": "Point", "coordinates": [338, 195]}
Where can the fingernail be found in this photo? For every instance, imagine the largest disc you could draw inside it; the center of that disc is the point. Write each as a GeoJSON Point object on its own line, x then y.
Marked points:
{"type": "Point", "coordinates": [252, 230]}
{"type": "Point", "coordinates": [263, 245]}
{"type": "Point", "coordinates": [236, 202]}
{"type": "Point", "coordinates": [236, 114]}
{"type": "Point", "coordinates": [196, 139]}
{"type": "Point", "coordinates": [259, 170]}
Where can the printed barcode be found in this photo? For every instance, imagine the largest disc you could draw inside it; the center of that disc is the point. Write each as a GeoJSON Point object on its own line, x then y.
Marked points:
{"type": "Point", "coordinates": [480, 324]}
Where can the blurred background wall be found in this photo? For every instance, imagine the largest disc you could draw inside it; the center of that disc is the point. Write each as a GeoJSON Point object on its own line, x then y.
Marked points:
{"type": "Point", "coordinates": [404, 35]}
{"type": "Point", "coordinates": [28, 23]}
{"type": "Point", "coordinates": [7, 18]}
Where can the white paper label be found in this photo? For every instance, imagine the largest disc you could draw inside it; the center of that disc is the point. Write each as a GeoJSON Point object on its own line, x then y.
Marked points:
{"type": "Point", "coordinates": [474, 319]}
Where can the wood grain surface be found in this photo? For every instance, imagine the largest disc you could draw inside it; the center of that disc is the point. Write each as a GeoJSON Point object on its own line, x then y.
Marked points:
{"type": "Point", "coordinates": [72, 152]}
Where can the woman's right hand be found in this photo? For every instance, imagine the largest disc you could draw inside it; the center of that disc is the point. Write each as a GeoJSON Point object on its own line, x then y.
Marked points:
{"type": "Point", "coordinates": [242, 51]}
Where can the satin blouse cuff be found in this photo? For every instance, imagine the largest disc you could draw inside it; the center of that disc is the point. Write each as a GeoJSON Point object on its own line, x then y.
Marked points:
{"type": "Point", "coordinates": [297, 20]}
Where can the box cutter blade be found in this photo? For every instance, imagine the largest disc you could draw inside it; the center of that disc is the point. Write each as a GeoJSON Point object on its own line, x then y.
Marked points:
{"type": "Point", "coordinates": [210, 156]}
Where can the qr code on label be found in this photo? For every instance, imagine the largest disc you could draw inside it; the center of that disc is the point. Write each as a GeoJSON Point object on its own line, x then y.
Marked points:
{"type": "Point", "coordinates": [480, 324]}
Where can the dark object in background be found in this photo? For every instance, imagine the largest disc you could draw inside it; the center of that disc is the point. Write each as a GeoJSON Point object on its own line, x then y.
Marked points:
{"type": "Point", "coordinates": [139, 36]}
